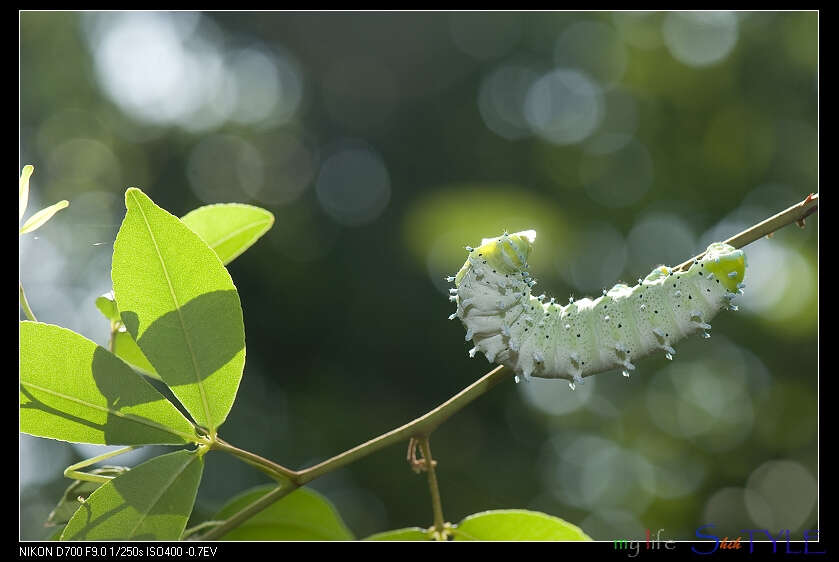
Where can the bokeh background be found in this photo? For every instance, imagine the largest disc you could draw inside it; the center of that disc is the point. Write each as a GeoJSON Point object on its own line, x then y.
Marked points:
{"type": "Point", "coordinates": [384, 143]}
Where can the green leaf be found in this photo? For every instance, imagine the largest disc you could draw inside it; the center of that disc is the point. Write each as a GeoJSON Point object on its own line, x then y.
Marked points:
{"type": "Point", "coordinates": [179, 304]}
{"type": "Point", "coordinates": [70, 502]}
{"type": "Point", "coordinates": [38, 219]}
{"type": "Point", "coordinates": [23, 193]}
{"type": "Point", "coordinates": [108, 307]}
{"type": "Point", "coordinates": [152, 501]}
{"type": "Point", "coordinates": [517, 525]}
{"type": "Point", "coordinates": [229, 228]}
{"type": "Point", "coordinates": [406, 534]}
{"type": "Point", "coordinates": [127, 349]}
{"type": "Point", "coordinates": [303, 515]}
{"type": "Point", "coordinates": [74, 390]}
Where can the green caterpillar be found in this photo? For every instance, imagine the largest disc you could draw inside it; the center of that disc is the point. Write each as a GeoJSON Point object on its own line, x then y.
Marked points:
{"type": "Point", "coordinates": [546, 340]}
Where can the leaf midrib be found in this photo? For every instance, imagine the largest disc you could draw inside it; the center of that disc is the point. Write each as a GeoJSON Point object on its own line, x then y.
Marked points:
{"type": "Point", "coordinates": [163, 490]}
{"type": "Point", "coordinates": [201, 390]}
{"type": "Point", "coordinates": [234, 233]}
{"type": "Point", "coordinates": [129, 417]}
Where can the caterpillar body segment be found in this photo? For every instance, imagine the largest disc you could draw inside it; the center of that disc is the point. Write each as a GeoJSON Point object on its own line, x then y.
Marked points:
{"type": "Point", "coordinates": [587, 336]}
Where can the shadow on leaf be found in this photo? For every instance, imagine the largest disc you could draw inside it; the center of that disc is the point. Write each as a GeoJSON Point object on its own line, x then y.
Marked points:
{"type": "Point", "coordinates": [191, 343]}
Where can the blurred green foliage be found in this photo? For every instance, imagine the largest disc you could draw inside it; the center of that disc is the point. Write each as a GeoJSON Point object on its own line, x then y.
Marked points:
{"type": "Point", "coordinates": [382, 145]}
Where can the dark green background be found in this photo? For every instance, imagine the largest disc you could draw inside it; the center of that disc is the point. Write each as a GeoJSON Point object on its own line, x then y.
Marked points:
{"type": "Point", "coordinates": [346, 325]}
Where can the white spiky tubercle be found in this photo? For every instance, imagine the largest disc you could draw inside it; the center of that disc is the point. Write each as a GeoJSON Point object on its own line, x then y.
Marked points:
{"type": "Point", "coordinates": [586, 337]}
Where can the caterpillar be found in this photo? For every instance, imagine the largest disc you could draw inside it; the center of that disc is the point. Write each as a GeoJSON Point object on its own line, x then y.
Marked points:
{"type": "Point", "coordinates": [587, 336]}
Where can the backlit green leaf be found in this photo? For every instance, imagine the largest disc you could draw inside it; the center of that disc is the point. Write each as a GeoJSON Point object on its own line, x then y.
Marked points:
{"type": "Point", "coordinates": [517, 525]}
{"type": "Point", "coordinates": [179, 303]}
{"type": "Point", "coordinates": [303, 515]}
{"type": "Point", "coordinates": [23, 193]}
{"type": "Point", "coordinates": [229, 228]}
{"type": "Point", "coordinates": [108, 307]}
{"type": "Point", "coordinates": [38, 219]}
{"type": "Point", "coordinates": [127, 349]}
{"type": "Point", "coordinates": [74, 390]}
{"type": "Point", "coordinates": [152, 501]}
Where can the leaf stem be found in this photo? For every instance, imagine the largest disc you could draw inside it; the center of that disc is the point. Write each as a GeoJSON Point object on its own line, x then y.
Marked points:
{"type": "Point", "coordinates": [72, 471]}
{"type": "Point", "coordinates": [112, 336]}
{"type": "Point", "coordinates": [25, 304]}
{"type": "Point", "coordinates": [436, 504]}
{"type": "Point", "coordinates": [278, 472]}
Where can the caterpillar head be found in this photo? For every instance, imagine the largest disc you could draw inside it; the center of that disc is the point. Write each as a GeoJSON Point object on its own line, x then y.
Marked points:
{"type": "Point", "coordinates": [726, 263]}
{"type": "Point", "coordinates": [516, 246]}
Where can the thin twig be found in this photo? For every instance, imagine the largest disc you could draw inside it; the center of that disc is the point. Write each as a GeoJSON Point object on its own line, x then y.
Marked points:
{"type": "Point", "coordinates": [422, 425]}
{"type": "Point", "coordinates": [436, 504]}
{"type": "Point", "coordinates": [795, 214]}
{"type": "Point", "coordinates": [252, 509]}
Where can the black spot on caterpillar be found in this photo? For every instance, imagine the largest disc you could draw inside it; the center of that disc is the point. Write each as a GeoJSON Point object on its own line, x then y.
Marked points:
{"type": "Point", "coordinates": [546, 340]}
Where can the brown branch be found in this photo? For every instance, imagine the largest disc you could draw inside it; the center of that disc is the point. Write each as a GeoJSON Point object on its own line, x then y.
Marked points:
{"type": "Point", "coordinates": [795, 214]}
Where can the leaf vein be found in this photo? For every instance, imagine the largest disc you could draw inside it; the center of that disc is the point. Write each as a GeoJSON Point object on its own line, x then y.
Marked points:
{"type": "Point", "coordinates": [129, 417]}
{"type": "Point", "coordinates": [163, 490]}
{"type": "Point", "coordinates": [238, 231]}
{"type": "Point", "coordinates": [180, 318]}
